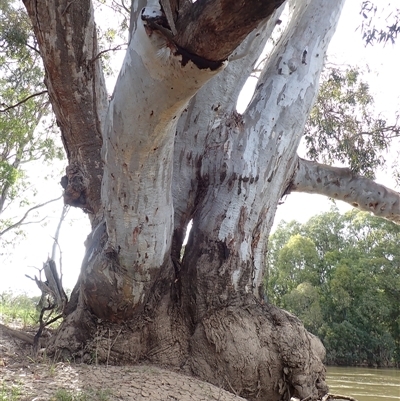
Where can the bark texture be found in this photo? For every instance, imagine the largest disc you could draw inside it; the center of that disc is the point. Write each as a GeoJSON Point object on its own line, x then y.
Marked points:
{"type": "Point", "coordinates": [213, 29]}
{"type": "Point", "coordinates": [175, 149]}
{"type": "Point", "coordinates": [342, 184]}
{"type": "Point", "coordinates": [67, 39]}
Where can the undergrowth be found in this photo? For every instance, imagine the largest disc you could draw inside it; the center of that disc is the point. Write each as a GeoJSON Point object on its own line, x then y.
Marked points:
{"type": "Point", "coordinates": [9, 393]}
{"type": "Point", "coordinates": [19, 308]}
{"type": "Point", "coordinates": [87, 395]}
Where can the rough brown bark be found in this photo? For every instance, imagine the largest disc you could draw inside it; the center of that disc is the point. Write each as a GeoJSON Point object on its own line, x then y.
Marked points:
{"type": "Point", "coordinates": [213, 29]}
{"type": "Point", "coordinates": [67, 40]}
{"type": "Point", "coordinates": [207, 32]}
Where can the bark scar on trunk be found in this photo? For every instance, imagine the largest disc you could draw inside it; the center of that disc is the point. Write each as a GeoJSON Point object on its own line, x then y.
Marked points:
{"type": "Point", "coordinates": [74, 184]}
{"type": "Point", "coordinates": [159, 23]}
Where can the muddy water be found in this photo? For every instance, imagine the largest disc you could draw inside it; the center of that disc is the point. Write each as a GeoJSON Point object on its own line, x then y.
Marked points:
{"type": "Point", "coordinates": [365, 384]}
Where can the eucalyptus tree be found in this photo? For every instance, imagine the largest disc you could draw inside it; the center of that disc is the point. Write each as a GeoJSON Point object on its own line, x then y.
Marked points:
{"type": "Point", "coordinates": [343, 283]}
{"type": "Point", "coordinates": [168, 148]}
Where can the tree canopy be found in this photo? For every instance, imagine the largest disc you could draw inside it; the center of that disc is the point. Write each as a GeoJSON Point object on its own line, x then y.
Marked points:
{"type": "Point", "coordinates": [339, 273]}
{"type": "Point", "coordinates": [27, 131]}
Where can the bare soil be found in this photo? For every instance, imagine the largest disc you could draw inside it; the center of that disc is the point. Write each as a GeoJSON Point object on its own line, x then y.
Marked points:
{"type": "Point", "coordinates": [39, 378]}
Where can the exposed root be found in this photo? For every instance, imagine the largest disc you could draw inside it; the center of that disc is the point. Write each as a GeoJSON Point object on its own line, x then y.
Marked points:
{"type": "Point", "coordinates": [327, 397]}
{"type": "Point", "coordinates": [330, 396]}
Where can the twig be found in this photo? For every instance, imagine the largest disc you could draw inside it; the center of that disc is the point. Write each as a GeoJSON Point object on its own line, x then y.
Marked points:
{"type": "Point", "coordinates": [105, 51]}
{"type": "Point", "coordinates": [22, 101]}
{"type": "Point", "coordinates": [53, 320]}
{"type": "Point", "coordinates": [18, 223]}
{"type": "Point", "coordinates": [32, 48]}
{"type": "Point", "coordinates": [112, 344]}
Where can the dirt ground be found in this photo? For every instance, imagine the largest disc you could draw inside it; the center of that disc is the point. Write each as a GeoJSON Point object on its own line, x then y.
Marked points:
{"type": "Point", "coordinates": [40, 378]}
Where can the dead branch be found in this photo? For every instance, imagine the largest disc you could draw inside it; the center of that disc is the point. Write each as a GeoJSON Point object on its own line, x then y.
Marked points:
{"type": "Point", "coordinates": [27, 338]}
{"type": "Point", "coordinates": [52, 289]}
{"type": "Point", "coordinates": [64, 213]}
{"type": "Point", "coordinates": [42, 325]}
{"type": "Point", "coordinates": [53, 296]}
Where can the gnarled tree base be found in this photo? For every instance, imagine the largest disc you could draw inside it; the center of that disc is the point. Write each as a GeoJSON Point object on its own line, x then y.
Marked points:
{"type": "Point", "coordinates": [254, 351]}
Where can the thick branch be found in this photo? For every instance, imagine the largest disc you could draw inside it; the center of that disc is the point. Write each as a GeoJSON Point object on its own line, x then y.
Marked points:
{"type": "Point", "coordinates": [213, 29]}
{"type": "Point", "coordinates": [342, 184]}
{"type": "Point", "coordinates": [216, 100]}
{"type": "Point", "coordinates": [67, 39]}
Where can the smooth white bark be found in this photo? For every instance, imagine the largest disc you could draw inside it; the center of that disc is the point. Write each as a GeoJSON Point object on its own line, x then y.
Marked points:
{"type": "Point", "coordinates": [207, 110]}
{"type": "Point", "coordinates": [342, 184]}
{"type": "Point", "coordinates": [258, 155]}
{"type": "Point", "coordinates": [152, 90]}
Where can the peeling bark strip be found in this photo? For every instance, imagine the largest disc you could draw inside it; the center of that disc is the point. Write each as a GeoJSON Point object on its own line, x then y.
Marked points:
{"type": "Point", "coordinates": [342, 184]}
{"type": "Point", "coordinates": [67, 39]}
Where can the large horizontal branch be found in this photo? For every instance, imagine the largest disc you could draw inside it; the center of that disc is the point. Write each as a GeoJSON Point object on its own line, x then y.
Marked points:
{"type": "Point", "coordinates": [342, 184]}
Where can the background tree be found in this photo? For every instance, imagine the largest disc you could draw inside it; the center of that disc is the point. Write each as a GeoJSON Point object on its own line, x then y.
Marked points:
{"type": "Point", "coordinates": [169, 147]}
{"type": "Point", "coordinates": [351, 308]}
{"type": "Point", "coordinates": [344, 127]}
{"type": "Point", "coordinates": [25, 136]}
{"type": "Point", "coordinates": [381, 24]}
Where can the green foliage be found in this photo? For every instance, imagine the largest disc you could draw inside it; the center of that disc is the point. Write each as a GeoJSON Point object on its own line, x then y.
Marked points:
{"type": "Point", "coordinates": [26, 130]}
{"type": "Point", "coordinates": [19, 308]}
{"type": "Point", "coordinates": [87, 395]}
{"type": "Point", "coordinates": [113, 34]}
{"type": "Point", "coordinates": [340, 274]}
{"type": "Point", "coordinates": [343, 125]}
{"type": "Point", "coordinates": [9, 393]}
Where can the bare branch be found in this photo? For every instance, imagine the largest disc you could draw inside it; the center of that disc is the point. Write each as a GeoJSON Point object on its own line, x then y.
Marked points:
{"type": "Point", "coordinates": [33, 48]}
{"type": "Point", "coordinates": [342, 184]}
{"type": "Point", "coordinates": [107, 50]}
{"type": "Point", "coordinates": [20, 222]}
{"type": "Point", "coordinates": [22, 101]}
{"type": "Point", "coordinates": [64, 213]}
{"type": "Point", "coordinates": [57, 234]}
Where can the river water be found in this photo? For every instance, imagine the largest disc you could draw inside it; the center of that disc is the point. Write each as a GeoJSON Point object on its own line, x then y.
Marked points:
{"type": "Point", "coordinates": [365, 384]}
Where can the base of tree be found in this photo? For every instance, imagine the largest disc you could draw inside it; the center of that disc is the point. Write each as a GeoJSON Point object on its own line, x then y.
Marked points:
{"type": "Point", "coordinates": [255, 351]}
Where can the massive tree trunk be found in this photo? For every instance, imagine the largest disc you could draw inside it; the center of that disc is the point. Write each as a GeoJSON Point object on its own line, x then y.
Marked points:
{"type": "Point", "coordinates": [171, 148]}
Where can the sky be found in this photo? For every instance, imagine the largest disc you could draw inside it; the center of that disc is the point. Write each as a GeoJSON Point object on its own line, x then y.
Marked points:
{"type": "Point", "coordinates": [346, 48]}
